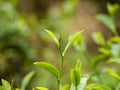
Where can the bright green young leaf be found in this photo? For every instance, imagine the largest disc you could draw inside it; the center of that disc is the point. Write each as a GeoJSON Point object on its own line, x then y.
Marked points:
{"type": "Point", "coordinates": [97, 86]}
{"type": "Point", "coordinates": [80, 44]}
{"type": "Point", "coordinates": [82, 84]}
{"type": "Point", "coordinates": [105, 51]}
{"type": "Point", "coordinates": [98, 38]}
{"type": "Point", "coordinates": [41, 88]}
{"type": "Point", "coordinates": [49, 67]}
{"type": "Point", "coordinates": [65, 87]}
{"type": "Point", "coordinates": [6, 84]}
{"type": "Point", "coordinates": [75, 76]}
{"type": "Point", "coordinates": [26, 80]}
{"type": "Point", "coordinates": [71, 41]}
{"type": "Point", "coordinates": [115, 75]}
{"type": "Point", "coordinates": [108, 21]}
{"type": "Point", "coordinates": [115, 39]}
{"type": "Point", "coordinates": [114, 59]}
{"type": "Point", "coordinates": [79, 66]}
{"type": "Point", "coordinates": [53, 37]}
{"type": "Point", "coordinates": [113, 9]}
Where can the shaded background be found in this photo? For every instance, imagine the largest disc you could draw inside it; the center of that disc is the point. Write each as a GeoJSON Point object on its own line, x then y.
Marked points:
{"type": "Point", "coordinates": [24, 41]}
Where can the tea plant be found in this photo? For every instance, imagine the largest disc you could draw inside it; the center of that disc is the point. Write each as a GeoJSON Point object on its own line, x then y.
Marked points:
{"type": "Point", "coordinates": [52, 69]}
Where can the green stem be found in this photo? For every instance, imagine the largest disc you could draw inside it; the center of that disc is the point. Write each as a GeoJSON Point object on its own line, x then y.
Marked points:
{"type": "Point", "coordinates": [61, 68]}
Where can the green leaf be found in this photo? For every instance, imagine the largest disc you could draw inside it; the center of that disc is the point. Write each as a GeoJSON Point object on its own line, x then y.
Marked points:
{"type": "Point", "coordinates": [114, 59]}
{"type": "Point", "coordinates": [65, 87]}
{"type": "Point", "coordinates": [116, 50]}
{"type": "Point", "coordinates": [53, 37]}
{"type": "Point", "coordinates": [97, 86]}
{"type": "Point", "coordinates": [115, 75]}
{"type": "Point", "coordinates": [80, 44]}
{"type": "Point", "coordinates": [41, 88]}
{"type": "Point", "coordinates": [71, 41]}
{"type": "Point", "coordinates": [79, 66]}
{"type": "Point", "coordinates": [6, 85]}
{"type": "Point", "coordinates": [98, 38]}
{"type": "Point", "coordinates": [98, 59]}
{"type": "Point", "coordinates": [26, 80]}
{"type": "Point", "coordinates": [104, 51]}
{"type": "Point", "coordinates": [75, 76]}
{"type": "Point", "coordinates": [115, 39]}
{"type": "Point", "coordinates": [113, 9]}
{"type": "Point", "coordinates": [108, 21]}
{"type": "Point", "coordinates": [82, 84]}
{"type": "Point", "coordinates": [49, 67]}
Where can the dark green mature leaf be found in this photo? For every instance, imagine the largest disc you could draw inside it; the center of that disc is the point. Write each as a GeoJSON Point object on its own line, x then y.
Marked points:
{"type": "Point", "coordinates": [75, 76]}
{"type": "Point", "coordinates": [71, 40]}
{"type": "Point", "coordinates": [113, 9]}
{"type": "Point", "coordinates": [6, 85]}
{"type": "Point", "coordinates": [112, 73]}
{"type": "Point", "coordinates": [26, 80]}
{"type": "Point", "coordinates": [98, 38]}
{"type": "Point", "coordinates": [108, 21]}
{"type": "Point", "coordinates": [97, 86]}
{"type": "Point", "coordinates": [49, 67]}
{"type": "Point", "coordinates": [53, 37]}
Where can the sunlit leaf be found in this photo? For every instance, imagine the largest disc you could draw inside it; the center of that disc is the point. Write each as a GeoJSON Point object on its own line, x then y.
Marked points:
{"type": "Point", "coordinates": [114, 59]}
{"type": "Point", "coordinates": [75, 76]}
{"type": "Point", "coordinates": [53, 37]}
{"type": "Point", "coordinates": [6, 84]}
{"type": "Point", "coordinates": [71, 41]}
{"type": "Point", "coordinates": [108, 21]}
{"type": "Point", "coordinates": [113, 9]}
{"type": "Point", "coordinates": [112, 73]}
{"type": "Point", "coordinates": [98, 38]}
{"type": "Point", "coordinates": [97, 86]}
{"type": "Point", "coordinates": [65, 87]}
{"type": "Point", "coordinates": [115, 39]}
{"type": "Point", "coordinates": [41, 88]}
{"type": "Point", "coordinates": [49, 67]}
{"type": "Point", "coordinates": [26, 80]}
{"type": "Point", "coordinates": [105, 51]}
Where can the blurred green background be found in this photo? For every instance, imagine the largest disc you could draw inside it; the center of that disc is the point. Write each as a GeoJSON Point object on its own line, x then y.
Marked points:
{"type": "Point", "coordinates": [24, 41]}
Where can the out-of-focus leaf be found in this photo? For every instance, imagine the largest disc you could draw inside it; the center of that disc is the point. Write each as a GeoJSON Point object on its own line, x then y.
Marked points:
{"type": "Point", "coordinates": [65, 87]}
{"type": "Point", "coordinates": [6, 85]}
{"type": "Point", "coordinates": [26, 80]}
{"type": "Point", "coordinates": [115, 39]}
{"type": "Point", "coordinates": [98, 59]}
{"type": "Point", "coordinates": [80, 44]}
{"type": "Point", "coordinates": [112, 73]}
{"type": "Point", "coordinates": [108, 21]}
{"type": "Point", "coordinates": [98, 38]}
{"type": "Point", "coordinates": [114, 59]}
{"type": "Point", "coordinates": [78, 65]}
{"type": "Point", "coordinates": [113, 9]}
{"type": "Point", "coordinates": [49, 67]}
{"type": "Point", "coordinates": [71, 41]}
{"type": "Point", "coordinates": [41, 88]}
{"type": "Point", "coordinates": [82, 84]}
{"type": "Point", "coordinates": [2, 88]}
{"type": "Point", "coordinates": [53, 37]}
{"type": "Point", "coordinates": [105, 51]}
{"type": "Point", "coordinates": [97, 86]}
{"type": "Point", "coordinates": [75, 76]}
{"type": "Point", "coordinates": [116, 50]}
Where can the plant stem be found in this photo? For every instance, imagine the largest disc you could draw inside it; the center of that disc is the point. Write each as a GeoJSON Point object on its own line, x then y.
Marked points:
{"type": "Point", "coordinates": [61, 68]}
